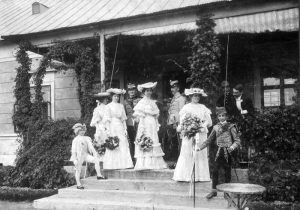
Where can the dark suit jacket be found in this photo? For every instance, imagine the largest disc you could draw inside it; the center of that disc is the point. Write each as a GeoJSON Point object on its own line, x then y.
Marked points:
{"type": "Point", "coordinates": [246, 105]}
{"type": "Point", "coordinates": [230, 104]}
{"type": "Point", "coordinates": [231, 108]}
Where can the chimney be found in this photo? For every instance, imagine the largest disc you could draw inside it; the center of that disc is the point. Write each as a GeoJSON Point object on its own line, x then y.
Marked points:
{"type": "Point", "coordinates": [38, 8]}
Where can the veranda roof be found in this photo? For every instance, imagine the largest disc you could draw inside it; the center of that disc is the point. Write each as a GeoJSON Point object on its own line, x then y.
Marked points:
{"type": "Point", "coordinates": [280, 20]}
{"type": "Point", "coordinates": [16, 16]}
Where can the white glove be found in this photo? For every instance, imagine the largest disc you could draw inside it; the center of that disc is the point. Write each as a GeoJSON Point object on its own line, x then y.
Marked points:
{"type": "Point", "coordinates": [75, 162]}
{"type": "Point", "coordinates": [244, 112]}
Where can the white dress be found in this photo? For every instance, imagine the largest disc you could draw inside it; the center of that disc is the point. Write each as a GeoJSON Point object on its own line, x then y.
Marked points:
{"type": "Point", "coordinates": [147, 112]}
{"type": "Point", "coordinates": [114, 120]}
{"type": "Point", "coordinates": [97, 122]}
{"type": "Point", "coordinates": [184, 166]}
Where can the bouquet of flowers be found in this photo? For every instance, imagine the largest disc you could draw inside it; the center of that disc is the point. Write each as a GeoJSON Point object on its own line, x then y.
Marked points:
{"type": "Point", "coordinates": [145, 143]}
{"type": "Point", "coordinates": [191, 125]}
{"type": "Point", "coordinates": [100, 148]}
{"type": "Point", "coordinates": [112, 142]}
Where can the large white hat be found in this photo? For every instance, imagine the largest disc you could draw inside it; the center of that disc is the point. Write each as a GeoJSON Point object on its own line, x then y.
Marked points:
{"type": "Point", "coordinates": [193, 91]}
{"type": "Point", "coordinates": [116, 91]}
{"type": "Point", "coordinates": [102, 94]}
{"type": "Point", "coordinates": [147, 85]}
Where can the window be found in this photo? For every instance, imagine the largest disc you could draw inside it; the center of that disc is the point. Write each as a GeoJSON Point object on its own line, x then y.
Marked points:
{"type": "Point", "coordinates": [279, 91]}
{"type": "Point", "coordinates": [46, 90]}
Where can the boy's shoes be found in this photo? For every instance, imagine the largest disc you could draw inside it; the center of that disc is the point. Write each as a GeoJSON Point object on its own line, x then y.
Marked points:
{"type": "Point", "coordinates": [101, 177]}
{"type": "Point", "coordinates": [80, 187]}
{"type": "Point", "coordinates": [211, 195]}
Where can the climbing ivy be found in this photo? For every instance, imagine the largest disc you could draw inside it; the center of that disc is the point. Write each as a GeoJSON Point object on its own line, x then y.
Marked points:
{"type": "Point", "coordinates": [43, 137]}
{"type": "Point", "coordinates": [204, 62]}
{"type": "Point", "coordinates": [23, 105]}
{"type": "Point", "coordinates": [72, 56]}
{"type": "Point", "coordinates": [84, 62]}
{"type": "Point", "coordinates": [38, 105]}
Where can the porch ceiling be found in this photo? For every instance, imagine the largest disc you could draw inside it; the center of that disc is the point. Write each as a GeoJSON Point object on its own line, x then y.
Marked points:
{"type": "Point", "coordinates": [279, 20]}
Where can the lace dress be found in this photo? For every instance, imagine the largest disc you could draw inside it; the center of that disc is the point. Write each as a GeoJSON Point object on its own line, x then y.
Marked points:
{"type": "Point", "coordinates": [114, 120]}
{"type": "Point", "coordinates": [147, 112]}
{"type": "Point", "coordinates": [184, 166]}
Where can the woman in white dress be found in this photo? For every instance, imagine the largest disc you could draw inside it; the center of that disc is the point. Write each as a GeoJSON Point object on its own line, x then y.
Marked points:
{"type": "Point", "coordinates": [185, 163]}
{"type": "Point", "coordinates": [115, 124]}
{"type": "Point", "coordinates": [146, 113]}
{"type": "Point", "coordinates": [98, 115]}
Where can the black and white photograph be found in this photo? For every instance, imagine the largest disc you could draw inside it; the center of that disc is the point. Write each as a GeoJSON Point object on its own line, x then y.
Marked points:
{"type": "Point", "coordinates": [149, 105]}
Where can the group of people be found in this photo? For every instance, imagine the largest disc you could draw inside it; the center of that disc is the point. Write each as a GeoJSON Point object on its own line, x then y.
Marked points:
{"type": "Point", "coordinates": [138, 116]}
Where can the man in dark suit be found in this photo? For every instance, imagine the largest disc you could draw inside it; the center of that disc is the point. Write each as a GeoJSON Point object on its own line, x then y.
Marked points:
{"type": "Point", "coordinates": [243, 103]}
{"type": "Point", "coordinates": [243, 119]}
{"type": "Point", "coordinates": [227, 100]}
{"type": "Point", "coordinates": [129, 104]}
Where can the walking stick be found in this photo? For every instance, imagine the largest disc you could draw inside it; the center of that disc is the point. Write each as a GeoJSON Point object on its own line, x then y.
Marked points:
{"type": "Point", "coordinates": [194, 183]}
{"type": "Point", "coordinates": [193, 175]}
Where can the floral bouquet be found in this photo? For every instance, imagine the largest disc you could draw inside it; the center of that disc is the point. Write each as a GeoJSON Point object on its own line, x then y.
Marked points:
{"type": "Point", "coordinates": [112, 143]}
{"type": "Point", "coordinates": [100, 148]}
{"type": "Point", "coordinates": [145, 143]}
{"type": "Point", "coordinates": [191, 125]}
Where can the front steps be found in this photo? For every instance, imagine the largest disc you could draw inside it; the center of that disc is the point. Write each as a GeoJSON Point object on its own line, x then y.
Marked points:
{"type": "Point", "coordinates": [129, 189]}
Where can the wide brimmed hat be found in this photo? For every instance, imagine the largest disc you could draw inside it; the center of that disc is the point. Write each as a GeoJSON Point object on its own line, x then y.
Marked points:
{"type": "Point", "coordinates": [78, 126]}
{"type": "Point", "coordinates": [193, 91]}
{"type": "Point", "coordinates": [221, 110]}
{"type": "Point", "coordinates": [131, 86]}
{"type": "Point", "coordinates": [102, 94]}
{"type": "Point", "coordinates": [148, 85]}
{"type": "Point", "coordinates": [116, 91]}
{"type": "Point", "coordinates": [174, 83]}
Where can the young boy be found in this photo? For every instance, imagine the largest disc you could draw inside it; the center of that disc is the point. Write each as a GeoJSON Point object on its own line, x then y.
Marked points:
{"type": "Point", "coordinates": [83, 150]}
{"type": "Point", "coordinates": [227, 140]}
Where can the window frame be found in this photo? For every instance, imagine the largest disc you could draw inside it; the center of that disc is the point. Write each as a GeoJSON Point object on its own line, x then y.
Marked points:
{"type": "Point", "coordinates": [52, 102]}
{"type": "Point", "coordinates": [281, 88]}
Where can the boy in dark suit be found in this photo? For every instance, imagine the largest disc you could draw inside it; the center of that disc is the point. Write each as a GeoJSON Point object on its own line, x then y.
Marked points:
{"type": "Point", "coordinates": [226, 137]}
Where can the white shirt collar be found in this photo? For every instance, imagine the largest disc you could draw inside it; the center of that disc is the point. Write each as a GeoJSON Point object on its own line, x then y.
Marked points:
{"type": "Point", "coordinates": [239, 98]}
{"type": "Point", "coordinates": [222, 123]}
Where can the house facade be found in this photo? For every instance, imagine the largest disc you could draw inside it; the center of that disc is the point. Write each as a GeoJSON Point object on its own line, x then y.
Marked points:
{"type": "Point", "coordinates": [262, 38]}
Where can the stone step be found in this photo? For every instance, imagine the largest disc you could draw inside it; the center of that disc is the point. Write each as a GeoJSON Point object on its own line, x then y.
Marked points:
{"type": "Point", "coordinates": [155, 197]}
{"type": "Point", "coordinates": [87, 204]}
{"type": "Point", "coordinates": [142, 185]}
{"type": "Point", "coordinates": [164, 174]}
{"type": "Point", "coordinates": [115, 200]}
